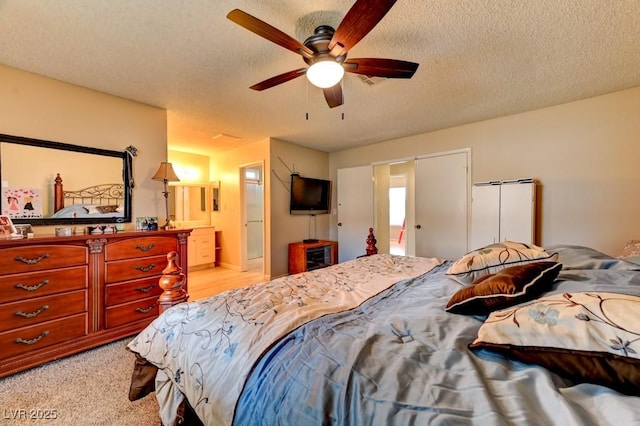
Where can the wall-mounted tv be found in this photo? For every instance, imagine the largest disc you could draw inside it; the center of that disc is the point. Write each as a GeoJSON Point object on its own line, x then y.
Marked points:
{"type": "Point", "coordinates": [309, 196]}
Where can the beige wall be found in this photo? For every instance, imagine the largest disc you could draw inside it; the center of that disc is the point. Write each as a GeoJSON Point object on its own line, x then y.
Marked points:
{"type": "Point", "coordinates": [280, 227]}
{"type": "Point", "coordinates": [44, 108]}
{"type": "Point", "coordinates": [225, 168]}
{"type": "Point", "coordinates": [585, 155]}
{"type": "Point", "coordinates": [286, 228]}
{"type": "Point", "coordinates": [190, 168]}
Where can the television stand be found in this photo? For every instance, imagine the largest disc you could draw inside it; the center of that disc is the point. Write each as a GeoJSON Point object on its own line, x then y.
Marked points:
{"type": "Point", "coordinates": [305, 256]}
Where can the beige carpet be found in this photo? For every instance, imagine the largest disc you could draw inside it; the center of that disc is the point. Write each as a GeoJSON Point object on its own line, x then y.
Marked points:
{"type": "Point", "coordinates": [90, 388]}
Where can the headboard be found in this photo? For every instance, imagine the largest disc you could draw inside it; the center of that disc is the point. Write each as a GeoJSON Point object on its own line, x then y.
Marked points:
{"type": "Point", "coordinates": [104, 194]}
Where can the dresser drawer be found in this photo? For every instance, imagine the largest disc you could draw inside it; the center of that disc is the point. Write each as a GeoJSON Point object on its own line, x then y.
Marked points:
{"type": "Point", "coordinates": [39, 336]}
{"type": "Point", "coordinates": [40, 257]}
{"type": "Point", "coordinates": [130, 291]}
{"type": "Point", "coordinates": [133, 311]}
{"type": "Point", "coordinates": [138, 247]}
{"type": "Point", "coordinates": [123, 270]}
{"type": "Point", "coordinates": [35, 284]}
{"type": "Point", "coordinates": [35, 311]}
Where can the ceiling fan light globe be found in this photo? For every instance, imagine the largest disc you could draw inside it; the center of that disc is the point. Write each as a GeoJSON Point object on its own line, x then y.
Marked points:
{"type": "Point", "coordinates": [324, 74]}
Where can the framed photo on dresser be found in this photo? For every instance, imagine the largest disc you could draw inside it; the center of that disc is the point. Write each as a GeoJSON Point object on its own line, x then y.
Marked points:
{"type": "Point", "coordinates": [6, 227]}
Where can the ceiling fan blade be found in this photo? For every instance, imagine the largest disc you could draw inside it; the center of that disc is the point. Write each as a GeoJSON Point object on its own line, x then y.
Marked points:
{"type": "Point", "coordinates": [333, 95]}
{"type": "Point", "coordinates": [375, 67]}
{"type": "Point", "coordinates": [269, 32]}
{"type": "Point", "coordinates": [363, 16]}
{"type": "Point", "coordinates": [279, 79]}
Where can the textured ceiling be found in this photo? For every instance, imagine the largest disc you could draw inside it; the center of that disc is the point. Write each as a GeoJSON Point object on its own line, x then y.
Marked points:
{"type": "Point", "coordinates": [478, 59]}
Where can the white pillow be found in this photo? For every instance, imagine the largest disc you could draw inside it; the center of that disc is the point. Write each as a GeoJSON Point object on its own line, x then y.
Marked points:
{"type": "Point", "coordinates": [495, 257]}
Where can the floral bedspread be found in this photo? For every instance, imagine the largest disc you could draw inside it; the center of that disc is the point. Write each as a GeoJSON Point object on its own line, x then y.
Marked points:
{"type": "Point", "coordinates": [206, 349]}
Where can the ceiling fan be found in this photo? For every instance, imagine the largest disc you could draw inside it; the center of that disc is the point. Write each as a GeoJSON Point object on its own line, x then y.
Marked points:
{"type": "Point", "coordinates": [326, 50]}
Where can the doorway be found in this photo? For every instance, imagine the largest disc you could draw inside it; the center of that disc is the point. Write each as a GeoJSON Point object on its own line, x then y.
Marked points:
{"type": "Point", "coordinates": [435, 219]}
{"type": "Point", "coordinates": [398, 214]}
{"type": "Point", "coordinates": [251, 178]}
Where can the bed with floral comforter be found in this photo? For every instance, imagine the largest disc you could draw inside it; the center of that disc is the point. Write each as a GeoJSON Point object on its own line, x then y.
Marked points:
{"type": "Point", "coordinates": [402, 346]}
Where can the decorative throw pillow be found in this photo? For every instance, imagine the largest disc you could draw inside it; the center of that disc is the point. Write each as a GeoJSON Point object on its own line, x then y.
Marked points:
{"type": "Point", "coordinates": [631, 249]}
{"type": "Point", "coordinates": [505, 288]}
{"type": "Point", "coordinates": [107, 209]}
{"type": "Point", "coordinates": [91, 209]}
{"type": "Point", "coordinates": [589, 337]}
{"type": "Point", "coordinates": [492, 258]}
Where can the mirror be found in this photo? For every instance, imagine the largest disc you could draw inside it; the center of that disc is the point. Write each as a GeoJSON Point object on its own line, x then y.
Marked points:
{"type": "Point", "coordinates": [188, 203]}
{"type": "Point", "coordinates": [50, 183]}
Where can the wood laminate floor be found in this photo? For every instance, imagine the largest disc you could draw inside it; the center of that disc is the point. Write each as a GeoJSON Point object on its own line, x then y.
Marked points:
{"type": "Point", "coordinates": [209, 282]}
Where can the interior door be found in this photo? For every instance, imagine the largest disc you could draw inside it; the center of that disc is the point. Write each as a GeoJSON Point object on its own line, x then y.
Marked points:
{"type": "Point", "coordinates": [254, 197]}
{"type": "Point", "coordinates": [252, 217]}
{"type": "Point", "coordinates": [355, 211]}
{"type": "Point", "coordinates": [441, 205]}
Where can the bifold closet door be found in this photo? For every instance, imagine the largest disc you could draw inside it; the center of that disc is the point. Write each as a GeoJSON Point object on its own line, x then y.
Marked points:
{"type": "Point", "coordinates": [441, 205]}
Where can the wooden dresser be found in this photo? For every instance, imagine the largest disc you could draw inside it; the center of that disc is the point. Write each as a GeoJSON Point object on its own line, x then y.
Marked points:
{"type": "Point", "coordinates": [63, 295]}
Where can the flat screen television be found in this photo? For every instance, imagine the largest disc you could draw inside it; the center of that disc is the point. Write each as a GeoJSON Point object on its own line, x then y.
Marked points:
{"type": "Point", "coordinates": [309, 196]}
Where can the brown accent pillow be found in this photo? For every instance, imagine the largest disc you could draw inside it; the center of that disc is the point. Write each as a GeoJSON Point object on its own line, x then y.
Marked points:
{"type": "Point", "coordinates": [505, 288]}
{"type": "Point", "coordinates": [107, 209]}
{"type": "Point", "coordinates": [589, 337]}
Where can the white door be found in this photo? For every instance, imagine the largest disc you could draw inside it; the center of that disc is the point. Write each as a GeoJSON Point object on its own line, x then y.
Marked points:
{"type": "Point", "coordinates": [441, 205]}
{"type": "Point", "coordinates": [485, 215]}
{"type": "Point", "coordinates": [252, 217]}
{"type": "Point", "coordinates": [254, 197]}
{"type": "Point", "coordinates": [355, 211]}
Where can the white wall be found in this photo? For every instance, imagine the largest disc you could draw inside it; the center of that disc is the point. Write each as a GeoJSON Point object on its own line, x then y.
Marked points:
{"type": "Point", "coordinates": [43, 108]}
{"type": "Point", "coordinates": [585, 155]}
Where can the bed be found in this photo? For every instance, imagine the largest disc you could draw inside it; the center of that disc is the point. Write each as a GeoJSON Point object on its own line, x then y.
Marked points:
{"type": "Point", "coordinates": [97, 201]}
{"type": "Point", "coordinates": [542, 336]}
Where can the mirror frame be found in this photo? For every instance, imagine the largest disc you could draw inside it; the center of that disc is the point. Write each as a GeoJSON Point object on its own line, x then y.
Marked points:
{"type": "Point", "coordinates": [127, 179]}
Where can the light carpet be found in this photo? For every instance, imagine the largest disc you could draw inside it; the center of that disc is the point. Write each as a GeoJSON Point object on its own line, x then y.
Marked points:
{"type": "Point", "coordinates": [90, 388]}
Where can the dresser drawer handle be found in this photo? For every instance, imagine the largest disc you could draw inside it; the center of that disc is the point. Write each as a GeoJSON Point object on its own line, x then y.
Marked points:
{"type": "Point", "coordinates": [32, 341]}
{"type": "Point", "coordinates": [32, 287]}
{"type": "Point", "coordinates": [32, 314]}
{"type": "Point", "coordinates": [146, 289]}
{"type": "Point", "coordinates": [31, 261]}
{"type": "Point", "coordinates": [145, 310]}
{"type": "Point", "coordinates": [145, 268]}
{"type": "Point", "coordinates": [145, 248]}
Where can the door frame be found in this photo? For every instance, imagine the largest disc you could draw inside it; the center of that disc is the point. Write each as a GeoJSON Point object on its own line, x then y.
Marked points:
{"type": "Point", "coordinates": [410, 226]}
{"type": "Point", "coordinates": [243, 215]}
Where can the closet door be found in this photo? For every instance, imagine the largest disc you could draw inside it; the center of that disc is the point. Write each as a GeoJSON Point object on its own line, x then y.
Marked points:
{"type": "Point", "coordinates": [517, 212]}
{"type": "Point", "coordinates": [355, 211]}
{"type": "Point", "coordinates": [485, 215]}
{"type": "Point", "coordinates": [441, 205]}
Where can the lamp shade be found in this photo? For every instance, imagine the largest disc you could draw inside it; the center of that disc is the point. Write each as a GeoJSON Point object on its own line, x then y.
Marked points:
{"type": "Point", "coordinates": [325, 74]}
{"type": "Point", "coordinates": [165, 173]}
